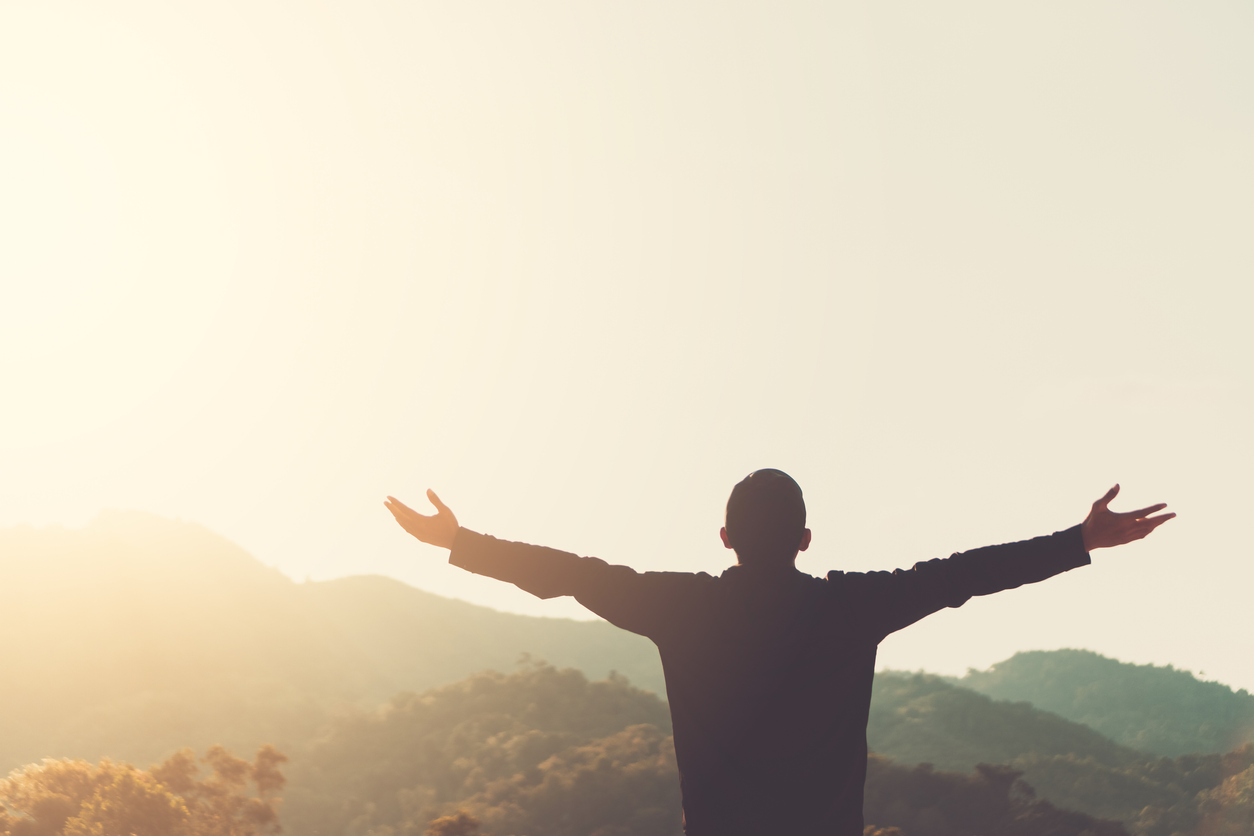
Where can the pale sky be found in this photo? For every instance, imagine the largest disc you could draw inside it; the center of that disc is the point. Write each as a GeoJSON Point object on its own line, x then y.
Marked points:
{"type": "Point", "coordinates": [580, 267]}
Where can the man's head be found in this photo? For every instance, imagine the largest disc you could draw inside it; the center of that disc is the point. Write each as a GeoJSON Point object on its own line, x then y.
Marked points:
{"type": "Point", "coordinates": [766, 518]}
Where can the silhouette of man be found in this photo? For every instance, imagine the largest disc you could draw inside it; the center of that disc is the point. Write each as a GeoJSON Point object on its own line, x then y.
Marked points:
{"type": "Point", "coordinates": [768, 670]}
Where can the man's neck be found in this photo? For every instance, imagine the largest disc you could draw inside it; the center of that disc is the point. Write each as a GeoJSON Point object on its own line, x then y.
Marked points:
{"type": "Point", "coordinates": [770, 567]}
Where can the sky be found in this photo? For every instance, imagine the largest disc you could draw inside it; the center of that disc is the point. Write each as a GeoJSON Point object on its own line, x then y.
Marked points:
{"type": "Point", "coordinates": [958, 268]}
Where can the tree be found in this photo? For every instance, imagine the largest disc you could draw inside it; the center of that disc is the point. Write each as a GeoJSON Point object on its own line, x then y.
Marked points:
{"type": "Point", "coordinates": [1228, 809]}
{"type": "Point", "coordinates": [75, 798]}
{"type": "Point", "coordinates": [131, 802]}
{"type": "Point", "coordinates": [459, 824]}
{"type": "Point", "coordinates": [219, 804]}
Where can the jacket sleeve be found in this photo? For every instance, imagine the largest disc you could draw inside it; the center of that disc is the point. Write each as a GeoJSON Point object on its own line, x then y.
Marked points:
{"type": "Point", "coordinates": [642, 602]}
{"type": "Point", "coordinates": [889, 601]}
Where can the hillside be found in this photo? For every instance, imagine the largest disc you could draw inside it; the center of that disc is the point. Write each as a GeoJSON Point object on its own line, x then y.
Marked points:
{"type": "Point", "coordinates": [136, 636]}
{"type": "Point", "coordinates": [544, 751]}
{"type": "Point", "coordinates": [918, 718]}
{"type": "Point", "coordinates": [923, 719]}
{"type": "Point", "coordinates": [1156, 709]}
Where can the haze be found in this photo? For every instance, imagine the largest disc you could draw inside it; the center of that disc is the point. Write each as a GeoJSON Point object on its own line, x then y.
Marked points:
{"type": "Point", "coordinates": [581, 267]}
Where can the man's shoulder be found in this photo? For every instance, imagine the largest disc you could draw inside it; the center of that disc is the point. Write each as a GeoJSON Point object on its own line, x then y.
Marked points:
{"type": "Point", "coordinates": [840, 583]}
{"type": "Point", "coordinates": [660, 583]}
{"type": "Point", "coordinates": [836, 576]}
{"type": "Point", "coordinates": [693, 579]}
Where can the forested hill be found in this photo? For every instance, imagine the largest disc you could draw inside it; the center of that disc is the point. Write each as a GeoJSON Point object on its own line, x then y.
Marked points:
{"type": "Point", "coordinates": [922, 719]}
{"type": "Point", "coordinates": [543, 751]}
{"type": "Point", "coordinates": [919, 718]}
{"type": "Point", "coordinates": [1157, 709]}
{"type": "Point", "coordinates": [137, 635]}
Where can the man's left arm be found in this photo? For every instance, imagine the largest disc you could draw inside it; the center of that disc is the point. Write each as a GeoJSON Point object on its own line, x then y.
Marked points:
{"type": "Point", "coordinates": [898, 599]}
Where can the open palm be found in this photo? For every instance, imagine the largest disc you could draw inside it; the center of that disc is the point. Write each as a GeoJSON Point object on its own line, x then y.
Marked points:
{"type": "Point", "coordinates": [1105, 528]}
{"type": "Point", "coordinates": [438, 529]}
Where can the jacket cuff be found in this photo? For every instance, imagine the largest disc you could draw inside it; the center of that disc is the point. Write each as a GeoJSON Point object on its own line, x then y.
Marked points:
{"type": "Point", "coordinates": [1073, 552]}
{"type": "Point", "coordinates": [466, 551]}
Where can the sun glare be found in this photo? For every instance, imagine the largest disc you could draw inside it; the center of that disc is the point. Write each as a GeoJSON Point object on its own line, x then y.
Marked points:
{"type": "Point", "coordinates": [111, 235]}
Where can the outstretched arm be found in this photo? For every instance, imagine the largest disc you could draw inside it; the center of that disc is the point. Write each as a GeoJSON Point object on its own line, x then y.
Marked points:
{"type": "Point", "coordinates": [895, 600]}
{"type": "Point", "coordinates": [1104, 528]}
{"type": "Point", "coordinates": [438, 529]}
{"type": "Point", "coordinates": [641, 602]}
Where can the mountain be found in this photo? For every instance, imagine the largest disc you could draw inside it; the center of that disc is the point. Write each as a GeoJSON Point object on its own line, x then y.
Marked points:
{"type": "Point", "coordinates": [919, 718]}
{"type": "Point", "coordinates": [1157, 709]}
{"type": "Point", "coordinates": [923, 719]}
{"type": "Point", "coordinates": [137, 635]}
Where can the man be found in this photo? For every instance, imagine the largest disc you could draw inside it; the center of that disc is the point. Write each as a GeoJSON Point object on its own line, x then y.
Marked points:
{"type": "Point", "coordinates": [768, 670]}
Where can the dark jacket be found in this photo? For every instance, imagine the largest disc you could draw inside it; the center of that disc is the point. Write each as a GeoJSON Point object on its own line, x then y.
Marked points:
{"type": "Point", "coordinates": [768, 671]}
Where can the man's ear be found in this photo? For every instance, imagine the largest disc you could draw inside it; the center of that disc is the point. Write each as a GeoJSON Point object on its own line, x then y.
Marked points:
{"type": "Point", "coordinates": [722, 532]}
{"type": "Point", "coordinates": [805, 541]}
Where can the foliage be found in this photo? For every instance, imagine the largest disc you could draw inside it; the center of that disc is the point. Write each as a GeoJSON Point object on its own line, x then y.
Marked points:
{"type": "Point", "coordinates": [423, 754]}
{"type": "Point", "coordinates": [992, 799]}
{"type": "Point", "coordinates": [459, 824]}
{"type": "Point", "coordinates": [923, 719]}
{"type": "Point", "coordinates": [625, 784]}
{"type": "Point", "coordinates": [1228, 809]}
{"type": "Point", "coordinates": [1156, 709]}
{"type": "Point", "coordinates": [544, 751]}
{"type": "Point", "coordinates": [75, 798]}
{"type": "Point", "coordinates": [517, 753]}
{"type": "Point", "coordinates": [919, 718]}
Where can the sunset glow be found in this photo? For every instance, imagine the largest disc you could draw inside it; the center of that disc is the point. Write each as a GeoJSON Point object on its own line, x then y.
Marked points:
{"type": "Point", "coordinates": [957, 270]}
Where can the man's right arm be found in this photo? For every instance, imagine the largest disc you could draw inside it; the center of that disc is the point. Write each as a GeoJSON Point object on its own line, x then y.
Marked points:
{"type": "Point", "coordinates": [642, 602]}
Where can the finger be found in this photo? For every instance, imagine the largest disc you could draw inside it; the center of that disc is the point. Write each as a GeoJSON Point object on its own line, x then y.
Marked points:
{"type": "Point", "coordinates": [1145, 512]}
{"type": "Point", "coordinates": [1105, 500]}
{"type": "Point", "coordinates": [401, 520]}
{"type": "Point", "coordinates": [435, 500]}
{"type": "Point", "coordinates": [400, 504]}
{"type": "Point", "coordinates": [405, 512]}
{"type": "Point", "coordinates": [407, 517]}
{"type": "Point", "coordinates": [398, 509]}
{"type": "Point", "coordinates": [1144, 527]}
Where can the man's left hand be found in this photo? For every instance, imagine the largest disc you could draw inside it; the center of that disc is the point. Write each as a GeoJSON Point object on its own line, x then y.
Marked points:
{"type": "Point", "coordinates": [1104, 528]}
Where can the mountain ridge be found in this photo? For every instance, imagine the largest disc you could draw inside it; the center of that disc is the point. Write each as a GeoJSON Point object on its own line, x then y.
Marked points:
{"type": "Point", "coordinates": [165, 626]}
{"type": "Point", "coordinates": [137, 636]}
{"type": "Point", "coordinates": [1158, 709]}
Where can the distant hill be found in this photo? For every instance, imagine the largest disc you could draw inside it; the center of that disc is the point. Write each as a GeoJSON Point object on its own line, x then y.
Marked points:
{"type": "Point", "coordinates": [924, 719]}
{"type": "Point", "coordinates": [1156, 709]}
{"type": "Point", "coordinates": [919, 718]}
{"type": "Point", "coordinates": [138, 635]}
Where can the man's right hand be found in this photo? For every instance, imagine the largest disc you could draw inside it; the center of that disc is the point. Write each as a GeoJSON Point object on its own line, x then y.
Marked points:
{"type": "Point", "coordinates": [438, 529]}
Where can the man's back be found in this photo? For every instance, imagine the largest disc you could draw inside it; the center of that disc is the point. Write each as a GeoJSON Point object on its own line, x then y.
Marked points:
{"type": "Point", "coordinates": [769, 682]}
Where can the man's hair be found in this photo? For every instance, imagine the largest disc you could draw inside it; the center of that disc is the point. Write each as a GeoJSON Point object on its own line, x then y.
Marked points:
{"type": "Point", "coordinates": [766, 516]}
